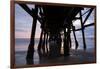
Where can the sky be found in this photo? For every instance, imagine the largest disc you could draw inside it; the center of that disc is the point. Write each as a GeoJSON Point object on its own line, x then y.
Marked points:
{"type": "Point", "coordinates": [23, 24]}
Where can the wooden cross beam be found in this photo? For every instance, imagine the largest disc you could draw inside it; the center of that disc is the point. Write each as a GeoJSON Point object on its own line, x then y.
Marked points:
{"type": "Point", "coordinates": [88, 15]}
{"type": "Point", "coordinates": [85, 26]}
{"type": "Point", "coordinates": [26, 8]}
{"type": "Point", "coordinates": [31, 12]}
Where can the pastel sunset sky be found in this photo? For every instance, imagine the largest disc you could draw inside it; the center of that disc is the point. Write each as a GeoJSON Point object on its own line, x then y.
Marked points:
{"type": "Point", "coordinates": [23, 24]}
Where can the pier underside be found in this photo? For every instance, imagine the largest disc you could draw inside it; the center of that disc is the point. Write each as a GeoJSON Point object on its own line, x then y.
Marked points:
{"type": "Point", "coordinates": [55, 21]}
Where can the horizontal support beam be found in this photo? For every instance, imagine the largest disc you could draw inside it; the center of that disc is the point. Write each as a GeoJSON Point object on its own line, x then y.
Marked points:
{"type": "Point", "coordinates": [85, 26]}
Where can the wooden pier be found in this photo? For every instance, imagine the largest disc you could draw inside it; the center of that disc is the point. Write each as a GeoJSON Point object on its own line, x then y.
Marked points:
{"type": "Point", "coordinates": [54, 20]}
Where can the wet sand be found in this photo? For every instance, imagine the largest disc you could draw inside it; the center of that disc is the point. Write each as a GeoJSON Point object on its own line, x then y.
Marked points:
{"type": "Point", "coordinates": [76, 57]}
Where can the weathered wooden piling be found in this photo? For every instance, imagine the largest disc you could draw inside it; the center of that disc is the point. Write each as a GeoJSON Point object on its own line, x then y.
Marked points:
{"type": "Point", "coordinates": [83, 33]}
{"type": "Point", "coordinates": [30, 51]}
{"type": "Point", "coordinates": [66, 41]}
{"type": "Point", "coordinates": [47, 43]}
{"type": "Point", "coordinates": [76, 42]}
{"type": "Point", "coordinates": [43, 44]}
{"type": "Point", "coordinates": [40, 41]}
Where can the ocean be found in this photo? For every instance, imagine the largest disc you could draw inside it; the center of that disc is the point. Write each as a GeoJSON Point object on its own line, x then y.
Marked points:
{"type": "Point", "coordinates": [21, 46]}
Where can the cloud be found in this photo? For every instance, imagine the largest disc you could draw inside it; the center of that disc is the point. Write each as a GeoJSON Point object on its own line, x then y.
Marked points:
{"type": "Point", "coordinates": [20, 30]}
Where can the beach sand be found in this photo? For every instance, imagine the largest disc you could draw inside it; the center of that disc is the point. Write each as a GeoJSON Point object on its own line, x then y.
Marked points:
{"type": "Point", "coordinates": [76, 57]}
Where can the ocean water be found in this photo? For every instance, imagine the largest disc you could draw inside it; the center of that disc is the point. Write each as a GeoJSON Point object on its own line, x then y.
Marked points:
{"type": "Point", "coordinates": [21, 44]}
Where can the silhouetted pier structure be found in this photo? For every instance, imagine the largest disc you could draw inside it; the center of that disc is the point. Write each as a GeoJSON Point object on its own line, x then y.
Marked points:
{"type": "Point", "coordinates": [54, 20]}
